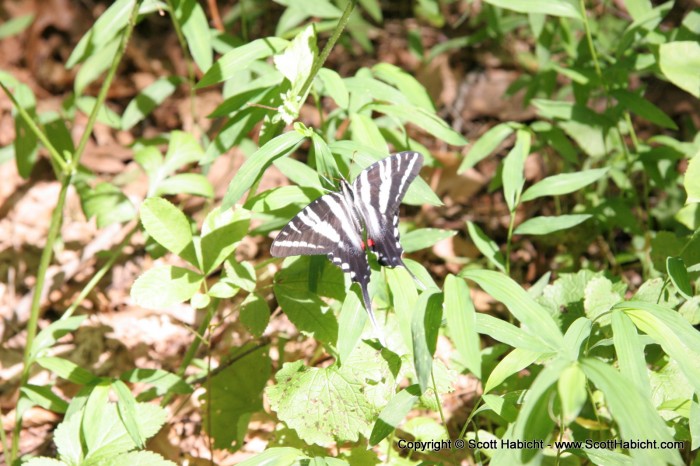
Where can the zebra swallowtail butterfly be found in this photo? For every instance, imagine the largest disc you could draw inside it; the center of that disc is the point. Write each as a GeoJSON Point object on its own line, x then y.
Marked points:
{"type": "Point", "coordinates": [333, 224]}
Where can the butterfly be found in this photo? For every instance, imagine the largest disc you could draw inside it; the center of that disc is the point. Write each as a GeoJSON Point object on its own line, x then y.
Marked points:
{"type": "Point", "coordinates": [333, 224]}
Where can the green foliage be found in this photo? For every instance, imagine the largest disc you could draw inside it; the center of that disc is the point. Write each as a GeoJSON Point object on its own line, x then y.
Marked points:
{"type": "Point", "coordinates": [587, 356]}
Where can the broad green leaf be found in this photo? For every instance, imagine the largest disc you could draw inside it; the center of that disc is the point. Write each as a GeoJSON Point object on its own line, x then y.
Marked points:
{"type": "Point", "coordinates": [691, 180]}
{"type": "Point", "coordinates": [26, 143]}
{"type": "Point", "coordinates": [577, 333]}
{"type": "Point", "coordinates": [42, 395]}
{"type": "Point", "coordinates": [513, 362]}
{"type": "Point", "coordinates": [630, 352]}
{"type": "Point", "coordinates": [107, 203]}
{"type": "Point", "coordinates": [296, 61]}
{"type": "Point", "coordinates": [670, 330]}
{"type": "Point", "coordinates": [95, 64]}
{"type": "Point", "coordinates": [195, 27]}
{"type": "Point", "coordinates": [545, 225]}
{"type": "Point", "coordinates": [572, 392]}
{"type": "Point", "coordinates": [275, 456]}
{"type": "Point", "coordinates": [485, 145]}
{"type": "Point", "coordinates": [407, 84]}
{"type": "Point", "coordinates": [563, 8]}
{"type": "Point", "coordinates": [633, 413]}
{"type": "Point", "coordinates": [638, 8]}
{"type": "Point", "coordinates": [255, 314]}
{"type": "Point", "coordinates": [240, 58]}
{"type": "Point", "coordinates": [105, 115]}
{"type": "Point", "coordinates": [277, 199]}
{"type": "Point", "coordinates": [163, 287]}
{"type": "Point", "coordinates": [43, 461]}
{"type": "Point", "coordinates": [126, 405]}
{"type": "Point", "coordinates": [234, 394]}
{"type": "Point", "coordinates": [15, 25]}
{"type": "Point", "coordinates": [363, 88]}
{"type": "Point", "coordinates": [678, 274]}
{"type": "Point", "coordinates": [183, 148]}
{"type": "Point", "coordinates": [644, 108]}
{"type": "Point", "coordinates": [425, 324]}
{"type": "Point", "coordinates": [502, 331]}
{"type": "Point", "coordinates": [256, 164]}
{"type": "Point", "coordinates": [185, 183]}
{"type": "Point", "coordinates": [680, 63]}
{"type": "Point", "coordinates": [393, 413]}
{"type": "Point", "coordinates": [299, 173]}
{"type": "Point", "coordinates": [240, 274]}
{"type": "Point", "coordinates": [325, 163]}
{"type": "Point", "coordinates": [514, 169]}
{"type": "Point", "coordinates": [352, 320]}
{"type": "Point", "coordinates": [461, 323]}
{"type": "Point", "coordinates": [334, 86]}
{"type": "Point", "coordinates": [108, 25]}
{"type": "Point", "coordinates": [404, 297]}
{"type": "Point", "coordinates": [423, 119]}
{"type": "Point", "coordinates": [422, 238]}
{"type": "Point", "coordinates": [148, 99]}
{"type": "Point", "coordinates": [486, 246]}
{"type": "Point", "coordinates": [564, 183]}
{"type": "Point", "coordinates": [532, 315]}
{"type": "Point", "coordinates": [220, 243]}
{"type": "Point", "coordinates": [365, 131]}
{"type": "Point", "coordinates": [137, 458]}
{"type": "Point", "coordinates": [66, 370]}
{"type": "Point", "coordinates": [51, 334]}
{"type": "Point", "coordinates": [169, 227]}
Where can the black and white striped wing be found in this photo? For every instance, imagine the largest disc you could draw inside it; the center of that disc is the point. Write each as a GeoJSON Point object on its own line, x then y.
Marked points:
{"type": "Point", "coordinates": [326, 226]}
{"type": "Point", "coordinates": [378, 192]}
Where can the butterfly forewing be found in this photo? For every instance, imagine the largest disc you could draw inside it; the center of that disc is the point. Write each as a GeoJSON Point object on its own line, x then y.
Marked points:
{"type": "Point", "coordinates": [378, 191]}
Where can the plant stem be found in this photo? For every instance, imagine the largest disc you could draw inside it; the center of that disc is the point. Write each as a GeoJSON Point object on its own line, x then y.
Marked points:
{"type": "Point", "coordinates": [509, 241]}
{"type": "Point", "coordinates": [56, 220]}
{"type": "Point", "coordinates": [342, 22]}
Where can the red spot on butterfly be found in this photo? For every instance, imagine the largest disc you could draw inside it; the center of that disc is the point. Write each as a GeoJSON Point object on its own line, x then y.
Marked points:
{"type": "Point", "coordinates": [370, 242]}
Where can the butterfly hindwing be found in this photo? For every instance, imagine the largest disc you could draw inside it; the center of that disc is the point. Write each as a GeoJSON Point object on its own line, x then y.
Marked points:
{"type": "Point", "coordinates": [378, 192]}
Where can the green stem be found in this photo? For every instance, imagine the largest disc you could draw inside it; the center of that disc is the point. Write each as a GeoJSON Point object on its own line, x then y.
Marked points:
{"type": "Point", "coordinates": [589, 40]}
{"type": "Point", "coordinates": [342, 22]}
{"type": "Point", "coordinates": [509, 241]}
{"type": "Point", "coordinates": [56, 220]}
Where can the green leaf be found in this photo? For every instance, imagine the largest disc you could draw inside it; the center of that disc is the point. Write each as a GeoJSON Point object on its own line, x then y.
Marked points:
{"type": "Point", "coordinates": [26, 143]}
{"type": "Point", "coordinates": [51, 334]}
{"type": "Point", "coordinates": [678, 274]}
{"type": "Point", "coordinates": [562, 8]}
{"type": "Point", "coordinates": [297, 59]}
{"type": "Point", "coordinates": [461, 323]}
{"type": "Point", "coordinates": [334, 86]}
{"type": "Point", "coordinates": [404, 297]}
{"type": "Point", "coordinates": [107, 203]}
{"type": "Point", "coordinates": [185, 183]}
{"type": "Point", "coordinates": [138, 458]}
{"type": "Point", "coordinates": [15, 25]}
{"type": "Point", "coordinates": [43, 396]}
{"type": "Point", "coordinates": [425, 325]}
{"type": "Point", "coordinates": [256, 164]}
{"type": "Point", "coordinates": [509, 334]}
{"type": "Point", "coordinates": [220, 243]}
{"type": "Point", "coordinates": [423, 119]}
{"type": "Point", "coordinates": [166, 224]}
{"type": "Point", "coordinates": [148, 99]}
{"type": "Point", "coordinates": [105, 115]}
{"type": "Point", "coordinates": [183, 148]}
{"type": "Point", "coordinates": [273, 456]}
{"type": "Point", "coordinates": [422, 238]}
{"type": "Point", "coordinates": [514, 169]}
{"type": "Point", "coordinates": [163, 382]}
{"type": "Point", "coordinates": [255, 314]}
{"type": "Point", "coordinates": [393, 413]}
{"type": "Point", "coordinates": [536, 320]}
{"type": "Point", "coordinates": [642, 107]}
{"type": "Point", "coordinates": [341, 410]}
{"type": "Point", "coordinates": [572, 392]}
{"type": "Point", "coordinates": [407, 84]}
{"type": "Point", "coordinates": [680, 63]}
{"type": "Point", "coordinates": [163, 287]}
{"type": "Point", "coordinates": [325, 163]}
{"type": "Point", "coordinates": [299, 173]}
{"type": "Point", "coordinates": [240, 274]}
{"type": "Point", "coordinates": [43, 461]}
{"type": "Point", "coordinates": [352, 320]}
{"type": "Point", "coordinates": [486, 246]}
{"type": "Point", "coordinates": [234, 394]}
{"type": "Point", "coordinates": [633, 413]}
{"type": "Point", "coordinates": [513, 362]}
{"type": "Point", "coordinates": [126, 405]}
{"type": "Point", "coordinates": [691, 180]}
{"type": "Point", "coordinates": [564, 183]}
{"type": "Point", "coordinates": [240, 58]}
{"type": "Point", "coordinates": [66, 370]}
{"type": "Point", "coordinates": [485, 145]}
{"type": "Point", "coordinates": [195, 27]}
{"type": "Point", "coordinates": [108, 25]}
{"type": "Point", "coordinates": [95, 64]}
{"type": "Point", "coordinates": [545, 225]}
{"type": "Point", "coordinates": [365, 131]}
{"type": "Point", "coordinates": [630, 352]}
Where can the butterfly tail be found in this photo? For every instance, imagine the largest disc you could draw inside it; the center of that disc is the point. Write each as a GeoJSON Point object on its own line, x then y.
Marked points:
{"type": "Point", "coordinates": [420, 284]}
{"type": "Point", "coordinates": [368, 307]}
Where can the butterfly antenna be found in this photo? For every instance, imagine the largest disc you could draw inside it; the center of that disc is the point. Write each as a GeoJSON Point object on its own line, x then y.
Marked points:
{"type": "Point", "coordinates": [368, 306]}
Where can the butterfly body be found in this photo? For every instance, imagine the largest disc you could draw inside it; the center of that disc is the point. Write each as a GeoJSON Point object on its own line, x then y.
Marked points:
{"type": "Point", "coordinates": [333, 224]}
